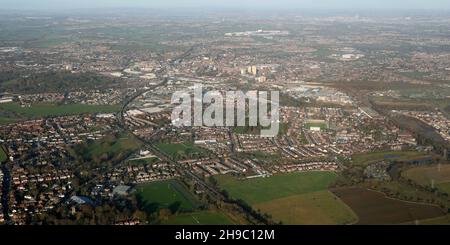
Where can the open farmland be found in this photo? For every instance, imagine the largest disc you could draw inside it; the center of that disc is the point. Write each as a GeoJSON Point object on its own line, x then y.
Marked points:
{"type": "Point", "coordinates": [374, 157]}
{"type": "Point", "coordinates": [425, 174]}
{"type": "Point", "coordinates": [443, 220]}
{"type": "Point", "coordinates": [436, 175]}
{"type": "Point", "coordinates": [294, 198]}
{"type": "Point", "coordinates": [375, 208]}
{"type": "Point", "coordinates": [315, 208]}
{"type": "Point", "coordinates": [445, 187]}
{"type": "Point", "coordinates": [260, 190]}
{"type": "Point", "coordinates": [401, 103]}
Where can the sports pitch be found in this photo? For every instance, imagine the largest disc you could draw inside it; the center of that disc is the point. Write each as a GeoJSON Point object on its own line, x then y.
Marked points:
{"type": "Point", "coordinates": [165, 194]}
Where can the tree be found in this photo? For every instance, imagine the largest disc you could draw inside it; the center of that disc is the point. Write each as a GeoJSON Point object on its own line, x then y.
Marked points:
{"type": "Point", "coordinates": [175, 207]}
{"type": "Point", "coordinates": [164, 214]}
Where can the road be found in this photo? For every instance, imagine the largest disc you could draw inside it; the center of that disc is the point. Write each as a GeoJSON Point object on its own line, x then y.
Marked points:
{"type": "Point", "coordinates": [150, 145]}
{"type": "Point", "coordinates": [185, 171]}
{"type": "Point", "coordinates": [156, 151]}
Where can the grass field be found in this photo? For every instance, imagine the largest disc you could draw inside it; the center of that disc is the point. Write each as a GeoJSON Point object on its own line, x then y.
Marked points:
{"type": "Point", "coordinates": [429, 175]}
{"type": "Point", "coordinates": [415, 74]}
{"type": "Point", "coordinates": [256, 130]}
{"type": "Point", "coordinates": [165, 194]}
{"type": "Point", "coordinates": [6, 120]}
{"type": "Point", "coordinates": [48, 42]}
{"type": "Point", "coordinates": [402, 103]}
{"type": "Point", "coordinates": [181, 150]}
{"type": "Point", "coordinates": [322, 126]}
{"type": "Point", "coordinates": [374, 157]}
{"type": "Point", "coordinates": [199, 218]}
{"type": "Point", "coordinates": [294, 198]}
{"type": "Point", "coordinates": [3, 155]}
{"type": "Point", "coordinates": [111, 145]}
{"type": "Point", "coordinates": [443, 220]}
{"type": "Point", "coordinates": [323, 53]}
{"type": "Point", "coordinates": [143, 161]}
{"type": "Point", "coordinates": [315, 208]}
{"type": "Point", "coordinates": [375, 208]}
{"type": "Point", "coordinates": [260, 190]}
{"type": "Point", "coordinates": [46, 109]}
{"type": "Point", "coordinates": [445, 187]}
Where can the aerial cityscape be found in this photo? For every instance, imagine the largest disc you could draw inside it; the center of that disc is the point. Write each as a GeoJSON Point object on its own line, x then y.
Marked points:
{"type": "Point", "coordinates": [87, 134]}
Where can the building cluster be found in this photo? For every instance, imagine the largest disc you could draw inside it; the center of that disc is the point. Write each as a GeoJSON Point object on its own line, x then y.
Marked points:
{"type": "Point", "coordinates": [92, 97]}
{"type": "Point", "coordinates": [2, 217]}
{"type": "Point", "coordinates": [307, 166]}
{"type": "Point", "coordinates": [435, 119]}
{"type": "Point", "coordinates": [146, 173]}
{"type": "Point", "coordinates": [258, 33]}
{"type": "Point", "coordinates": [36, 191]}
{"type": "Point", "coordinates": [322, 67]}
{"type": "Point", "coordinates": [42, 168]}
{"type": "Point", "coordinates": [317, 93]}
{"type": "Point", "coordinates": [378, 171]}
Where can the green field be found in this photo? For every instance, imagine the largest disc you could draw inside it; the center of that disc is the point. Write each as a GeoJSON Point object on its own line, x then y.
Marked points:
{"type": "Point", "coordinates": [402, 103]}
{"type": "Point", "coordinates": [256, 130]}
{"type": "Point", "coordinates": [3, 155]}
{"type": "Point", "coordinates": [322, 126]}
{"type": "Point", "coordinates": [445, 187]}
{"type": "Point", "coordinates": [6, 120]}
{"type": "Point", "coordinates": [294, 198]}
{"type": "Point", "coordinates": [443, 220]}
{"type": "Point", "coordinates": [425, 174]}
{"type": "Point", "coordinates": [260, 190]}
{"type": "Point", "coordinates": [322, 53]}
{"type": "Point", "coordinates": [111, 145]}
{"type": "Point", "coordinates": [48, 42]}
{"type": "Point", "coordinates": [143, 161]}
{"type": "Point", "coordinates": [415, 74]}
{"type": "Point", "coordinates": [439, 175]}
{"type": "Point", "coordinates": [315, 208]}
{"type": "Point", "coordinates": [181, 150]}
{"type": "Point", "coordinates": [47, 109]}
{"type": "Point", "coordinates": [374, 157]}
{"type": "Point", "coordinates": [107, 148]}
{"type": "Point", "coordinates": [199, 218]}
{"type": "Point", "coordinates": [165, 194]}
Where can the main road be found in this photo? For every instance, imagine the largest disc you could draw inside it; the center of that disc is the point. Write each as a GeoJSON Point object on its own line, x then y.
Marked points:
{"type": "Point", "coordinates": [150, 144]}
{"type": "Point", "coordinates": [155, 150]}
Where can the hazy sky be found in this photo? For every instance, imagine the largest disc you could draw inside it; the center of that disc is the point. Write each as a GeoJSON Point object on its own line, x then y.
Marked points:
{"type": "Point", "coordinates": [245, 4]}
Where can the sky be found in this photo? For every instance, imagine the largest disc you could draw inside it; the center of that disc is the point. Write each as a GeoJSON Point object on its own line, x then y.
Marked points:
{"type": "Point", "coordinates": [244, 4]}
